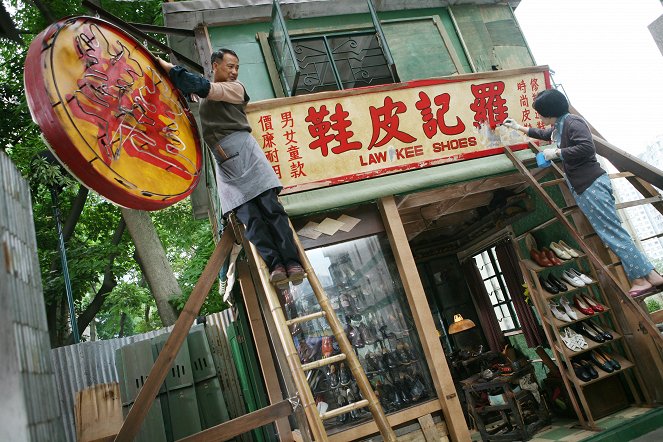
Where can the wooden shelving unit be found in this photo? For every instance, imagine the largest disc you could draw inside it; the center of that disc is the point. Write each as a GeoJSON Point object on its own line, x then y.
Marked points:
{"type": "Point", "coordinates": [553, 326]}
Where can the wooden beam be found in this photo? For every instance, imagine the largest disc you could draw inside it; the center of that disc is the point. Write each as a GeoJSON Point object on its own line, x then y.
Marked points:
{"type": "Point", "coordinates": [423, 319]}
{"type": "Point", "coordinates": [414, 200]}
{"type": "Point", "coordinates": [241, 425]}
{"type": "Point", "coordinates": [177, 336]}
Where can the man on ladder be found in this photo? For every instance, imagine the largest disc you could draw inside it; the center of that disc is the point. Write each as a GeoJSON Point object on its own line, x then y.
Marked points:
{"type": "Point", "coordinates": [249, 185]}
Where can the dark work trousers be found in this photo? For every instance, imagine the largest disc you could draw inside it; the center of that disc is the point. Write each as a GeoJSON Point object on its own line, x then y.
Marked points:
{"type": "Point", "coordinates": [268, 229]}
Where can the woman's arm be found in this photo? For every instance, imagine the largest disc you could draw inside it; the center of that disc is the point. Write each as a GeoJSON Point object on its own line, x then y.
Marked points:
{"type": "Point", "coordinates": [580, 143]}
{"type": "Point", "coordinates": [540, 134]}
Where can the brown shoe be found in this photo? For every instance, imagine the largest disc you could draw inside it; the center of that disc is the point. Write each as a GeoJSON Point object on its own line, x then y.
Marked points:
{"type": "Point", "coordinates": [295, 273]}
{"type": "Point", "coordinates": [278, 274]}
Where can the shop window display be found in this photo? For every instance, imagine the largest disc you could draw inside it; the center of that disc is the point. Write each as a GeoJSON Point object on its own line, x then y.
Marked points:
{"type": "Point", "coordinates": [363, 285]}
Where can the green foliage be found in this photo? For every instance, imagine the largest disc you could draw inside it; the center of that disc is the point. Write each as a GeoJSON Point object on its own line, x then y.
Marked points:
{"type": "Point", "coordinates": [653, 305]}
{"type": "Point", "coordinates": [188, 243]}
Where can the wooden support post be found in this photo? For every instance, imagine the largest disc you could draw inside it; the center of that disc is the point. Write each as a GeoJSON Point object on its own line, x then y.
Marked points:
{"type": "Point", "coordinates": [262, 347]}
{"type": "Point", "coordinates": [430, 341]}
{"type": "Point", "coordinates": [177, 336]}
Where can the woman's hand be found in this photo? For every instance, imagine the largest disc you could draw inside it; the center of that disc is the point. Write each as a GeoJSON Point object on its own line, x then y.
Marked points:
{"type": "Point", "coordinates": [511, 124]}
{"type": "Point", "coordinates": [165, 65]}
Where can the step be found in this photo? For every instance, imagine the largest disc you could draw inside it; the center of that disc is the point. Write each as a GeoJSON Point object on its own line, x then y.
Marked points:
{"type": "Point", "coordinates": [324, 361]}
{"type": "Point", "coordinates": [344, 409]}
{"type": "Point", "coordinates": [306, 318]}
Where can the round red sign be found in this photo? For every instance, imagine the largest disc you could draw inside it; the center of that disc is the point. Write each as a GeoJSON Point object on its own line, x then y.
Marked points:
{"type": "Point", "coordinates": [111, 115]}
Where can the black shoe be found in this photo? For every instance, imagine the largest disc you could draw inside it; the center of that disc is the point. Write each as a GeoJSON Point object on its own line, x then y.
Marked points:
{"type": "Point", "coordinates": [343, 375]}
{"type": "Point", "coordinates": [371, 362]}
{"type": "Point", "coordinates": [552, 279]}
{"type": "Point", "coordinates": [612, 361]}
{"type": "Point", "coordinates": [590, 368]}
{"type": "Point", "coordinates": [342, 402]}
{"type": "Point", "coordinates": [581, 372]}
{"type": "Point", "coordinates": [548, 286]}
{"type": "Point", "coordinates": [389, 359]}
{"type": "Point", "coordinates": [332, 376]}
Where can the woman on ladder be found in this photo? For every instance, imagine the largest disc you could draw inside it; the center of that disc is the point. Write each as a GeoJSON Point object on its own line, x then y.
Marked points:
{"type": "Point", "coordinates": [589, 184]}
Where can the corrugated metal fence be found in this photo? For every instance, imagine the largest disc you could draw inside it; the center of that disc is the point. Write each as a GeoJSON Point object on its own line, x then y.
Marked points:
{"type": "Point", "coordinates": [28, 411]}
{"type": "Point", "coordinates": [90, 363]}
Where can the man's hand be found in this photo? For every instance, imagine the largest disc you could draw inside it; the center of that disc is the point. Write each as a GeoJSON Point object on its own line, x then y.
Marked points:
{"type": "Point", "coordinates": [165, 65]}
{"type": "Point", "coordinates": [511, 124]}
{"type": "Point", "coordinates": [551, 153]}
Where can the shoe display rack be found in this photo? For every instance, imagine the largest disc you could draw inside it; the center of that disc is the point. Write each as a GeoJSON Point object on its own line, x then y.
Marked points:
{"type": "Point", "coordinates": [586, 340]}
{"type": "Point", "coordinates": [372, 307]}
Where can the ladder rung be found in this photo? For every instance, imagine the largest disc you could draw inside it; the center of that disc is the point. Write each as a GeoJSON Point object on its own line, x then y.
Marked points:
{"type": "Point", "coordinates": [567, 210]}
{"type": "Point", "coordinates": [543, 225]}
{"type": "Point", "coordinates": [553, 182]}
{"type": "Point", "coordinates": [344, 409]}
{"type": "Point", "coordinates": [324, 361]}
{"type": "Point", "coordinates": [612, 176]}
{"type": "Point", "coordinates": [306, 318]}
{"type": "Point", "coordinates": [658, 235]}
{"type": "Point", "coordinates": [588, 235]}
{"type": "Point", "coordinates": [650, 200]}
{"type": "Point", "coordinates": [614, 264]}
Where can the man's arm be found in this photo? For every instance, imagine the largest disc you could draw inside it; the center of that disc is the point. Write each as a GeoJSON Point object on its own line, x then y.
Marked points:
{"type": "Point", "coordinates": [185, 81]}
{"type": "Point", "coordinates": [188, 83]}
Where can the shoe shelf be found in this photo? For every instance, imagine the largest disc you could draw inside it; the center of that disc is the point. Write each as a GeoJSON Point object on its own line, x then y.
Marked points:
{"type": "Point", "coordinates": [625, 364]}
{"type": "Point", "coordinates": [531, 265]}
{"type": "Point", "coordinates": [581, 317]}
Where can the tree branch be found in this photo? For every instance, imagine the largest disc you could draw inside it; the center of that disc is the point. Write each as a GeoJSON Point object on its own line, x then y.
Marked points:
{"type": "Point", "coordinates": [106, 287]}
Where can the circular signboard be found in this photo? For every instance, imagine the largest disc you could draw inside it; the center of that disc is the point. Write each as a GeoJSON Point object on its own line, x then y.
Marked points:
{"type": "Point", "coordinates": [111, 115]}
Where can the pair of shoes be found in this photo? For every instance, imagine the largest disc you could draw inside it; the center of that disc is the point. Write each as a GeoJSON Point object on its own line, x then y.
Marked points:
{"type": "Point", "coordinates": [564, 247]}
{"type": "Point", "coordinates": [548, 286]}
{"type": "Point", "coordinates": [567, 308]}
{"type": "Point", "coordinates": [580, 304]}
{"type": "Point", "coordinates": [583, 369]}
{"type": "Point", "coordinates": [581, 276]}
{"type": "Point", "coordinates": [606, 334]}
{"type": "Point", "coordinates": [295, 272]}
{"type": "Point", "coordinates": [560, 251]}
{"type": "Point", "coordinates": [552, 285]}
{"type": "Point", "coordinates": [540, 258]}
{"type": "Point", "coordinates": [609, 360]}
{"type": "Point", "coordinates": [591, 302]}
{"type": "Point", "coordinates": [572, 279]}
{"type": "Point", "coordinates": [278, 275]}
{"type": "Point", "coordinates": [557, 313]}
{"type": "Point", "coordinates": [583, 329]}
{"type": "Point", "coordinates": [573, 340]}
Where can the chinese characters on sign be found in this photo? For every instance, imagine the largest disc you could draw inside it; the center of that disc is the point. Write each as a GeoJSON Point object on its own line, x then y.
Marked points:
{"type": "Point", "coordinates": [110, 115]}
{"type": "Point", "coordinates": [315, 143]}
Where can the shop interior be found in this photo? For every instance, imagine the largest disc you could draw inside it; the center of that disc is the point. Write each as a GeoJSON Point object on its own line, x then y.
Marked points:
{"type": "Point", "coordinates": [468, 241]}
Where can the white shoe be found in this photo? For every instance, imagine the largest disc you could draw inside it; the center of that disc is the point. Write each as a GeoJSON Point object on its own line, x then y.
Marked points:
{"type": "Point", "coordinates": [573, 252]}
{"type": "Point", "coordinates": [584, 278]}
{"type": "Point", "coordinates": [569, 340]}
{"type": "Point", "coordinates": [559, 251]}
{"type": "Point", "coordinates": [579, 340]}
{"type": "Point", "coordinates": [554, 309]}
{"type": "Point", "coordinates": [567, 308]}
{"type": "Point", "coordinates": [571, 279]}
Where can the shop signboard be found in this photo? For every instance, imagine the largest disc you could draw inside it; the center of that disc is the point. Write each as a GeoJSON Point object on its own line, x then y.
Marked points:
{"type": "Point", "coordinates": [330, 138]}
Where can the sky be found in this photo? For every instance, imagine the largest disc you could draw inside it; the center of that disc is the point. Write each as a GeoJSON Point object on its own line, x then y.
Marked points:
{"type": "Point", "coordinates": [604, 56]}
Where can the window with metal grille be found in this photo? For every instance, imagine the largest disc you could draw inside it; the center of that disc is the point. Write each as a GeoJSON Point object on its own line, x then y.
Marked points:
{"type": "Point", "coordinates": [493, 280]}
{"type": "Point", "coordinates": [330, 61]}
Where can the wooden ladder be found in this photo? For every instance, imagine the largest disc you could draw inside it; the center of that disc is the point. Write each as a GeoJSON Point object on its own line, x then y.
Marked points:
{"type": "Point", "coordinates": [314, 418]}
{"type": "Point", "coordinates": [608, 279]}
